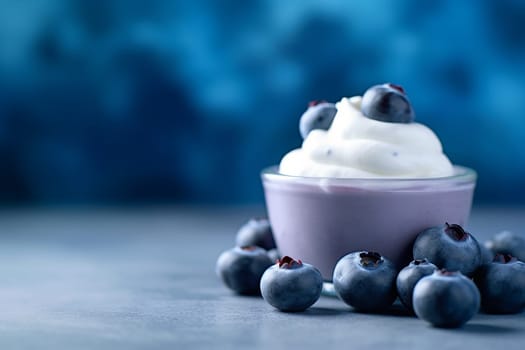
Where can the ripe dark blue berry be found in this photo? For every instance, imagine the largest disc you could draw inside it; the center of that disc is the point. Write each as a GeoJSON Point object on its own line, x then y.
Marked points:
{"type": "Point", "coordinates": [502, 285]}
{"type": "Point", "coordinates": [487, 255]}
{"type": "Point", "coordinates": [319, 115]}
{"type": "Point", "coordinates": [409, 276]}
{"type": "Point", "coordinates": [291, 285]}
{"type": "Point", "coordinates": [387, 103]}
{"type": "Point", "coordinates": [258, 232]}
{"type": "Point", "coordinates": [508, 242]}
{"type": "Point", "coordinates": [241, 269]}
{"type": "Point", "coordinates": [446, 299]}
{"type": "Point", "coordinates": [365, 281]}
{"type": "Point", "coordinates": [274, 254]}
{"type": "Point", "coordinates": [449, 247]}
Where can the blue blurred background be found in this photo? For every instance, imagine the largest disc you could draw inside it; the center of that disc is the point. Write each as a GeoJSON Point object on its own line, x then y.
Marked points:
{"type": "Point", "coordinates": [165, 101]}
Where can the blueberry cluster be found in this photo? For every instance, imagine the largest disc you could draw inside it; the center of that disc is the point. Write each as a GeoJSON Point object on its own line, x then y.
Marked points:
{"type": "Point", "coordinates": [241, 267]}
{"type": "Point", "coordinates": [451, 278]}
{"type": "Point", "coordinates": [288, 285]}
{"type": "Point", "coordinates": [497, 267]}
{"type": "Point", "coordinates": [369, 282]}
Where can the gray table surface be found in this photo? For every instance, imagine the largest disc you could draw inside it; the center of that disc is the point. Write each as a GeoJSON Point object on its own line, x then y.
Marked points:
{"type": "Point", "coordinates": [144, 278]}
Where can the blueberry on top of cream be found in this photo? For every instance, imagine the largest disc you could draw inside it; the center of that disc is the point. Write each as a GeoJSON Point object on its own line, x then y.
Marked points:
{"type": "Point", "coordinates": [387, 103]}
{"type": "Point", "coordinates": [319, 115]}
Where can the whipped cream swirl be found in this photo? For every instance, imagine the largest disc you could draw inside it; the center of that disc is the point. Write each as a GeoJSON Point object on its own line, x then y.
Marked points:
{"type": "Point", "coordinates": [359, 147]}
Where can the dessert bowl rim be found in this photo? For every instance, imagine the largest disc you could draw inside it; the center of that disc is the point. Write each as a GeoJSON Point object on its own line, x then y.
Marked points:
{"type": "Point", "coordinates": [461, 174]}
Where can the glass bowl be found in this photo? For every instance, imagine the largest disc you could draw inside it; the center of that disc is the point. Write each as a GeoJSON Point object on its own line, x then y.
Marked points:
{"type": "Point", "coordinates": [319, 220]}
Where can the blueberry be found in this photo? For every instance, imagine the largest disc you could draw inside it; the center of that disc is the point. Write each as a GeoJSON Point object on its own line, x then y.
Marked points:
{"type": "Point", "coordinates": [409, 276]}
{"type": "Point", "coordinates": [502, 285]}
{"type": "Point", "coordinates": [274, 254]}
{"type": "Point", "coordinates": [241, 268]}
{"type": "Point", "coordinates": [446, 299]}
{"type": "Point", "coordinates": [365, 281]}
{"type": "Point", "coordinates": [449, 247]}
{"type": "Point", "coordinates": [487, 255]}
{"type": "Point", "coordinates": [257, 231]}
{"type": "Point", "coordinates": [291, 285]}
{"type": "Point", "coordinates": [508, 242]}
{"type": "Point", "coordinates": [387, 103]}
{"type": "Point", "coordinates": [319, 115]}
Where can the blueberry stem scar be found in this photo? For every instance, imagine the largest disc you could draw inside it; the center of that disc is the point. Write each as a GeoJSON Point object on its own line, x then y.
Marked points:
{"type": "Point", "coordinates": [420, 261]}
{"type": "Point", "coordinates": [370, 259]}
{"type": "Point", "coordinates": [315, 103]}
{"type": "Point", "coordinates": [504, 258]}
{"type": "Point", "coordinates": [456, 232]}
{"type": "Point", "coordinates": [287, 262]}
{"type": "Point", "coordinates": [397, 87]}
{"type": "Point", "coordinates": [445, 272]}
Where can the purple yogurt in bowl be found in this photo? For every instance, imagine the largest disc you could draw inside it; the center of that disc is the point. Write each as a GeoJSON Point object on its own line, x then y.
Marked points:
{"type": "Point", "coordinates": [319, 220]}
